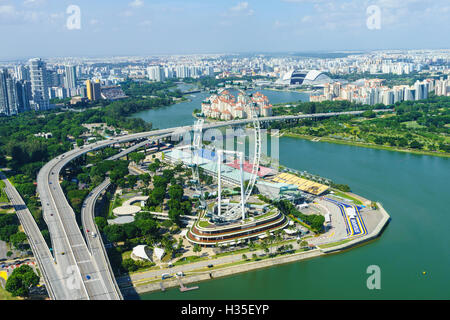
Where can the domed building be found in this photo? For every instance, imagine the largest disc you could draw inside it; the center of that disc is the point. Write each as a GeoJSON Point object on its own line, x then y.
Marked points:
{"type": "Point", "coordinates": [299, 78]}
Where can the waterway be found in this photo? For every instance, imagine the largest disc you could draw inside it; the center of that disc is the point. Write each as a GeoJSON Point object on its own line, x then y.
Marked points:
{"type": "Point", "coordinates": [412, 188]}
{"type": "Point", "coordinates": [180, 114]}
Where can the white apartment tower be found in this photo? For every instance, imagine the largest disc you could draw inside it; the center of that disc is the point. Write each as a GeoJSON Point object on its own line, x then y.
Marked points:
{"type": "Point", "coordinates": [39, 84]}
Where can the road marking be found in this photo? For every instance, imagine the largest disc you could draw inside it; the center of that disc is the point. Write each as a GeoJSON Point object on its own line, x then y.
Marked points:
{"type": "Point", "coordinates": [91, 280]}
{"type": "Point", "coordinates": [84, 261]}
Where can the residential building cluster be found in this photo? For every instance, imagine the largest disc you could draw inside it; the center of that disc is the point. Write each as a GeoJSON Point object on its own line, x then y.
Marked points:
{"type": "Point", "coordinates": [32, 84]}
{"type": "Point", "coordinates": [224, 106]}
{"type": "Point", "coordinates": [372, 91]}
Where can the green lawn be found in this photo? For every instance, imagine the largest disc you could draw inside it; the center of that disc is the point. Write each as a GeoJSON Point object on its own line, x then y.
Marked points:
{"type": "Point", "coordinates": [203, 224]}
{"type": "Point", "coordinates": [413, 125]}
{"type": "Point", "coordinates": [5, 295]}
{"type": "Point", "coordinates": [346, 196]}
{"type": "Point", "coordinates": [328, 245]}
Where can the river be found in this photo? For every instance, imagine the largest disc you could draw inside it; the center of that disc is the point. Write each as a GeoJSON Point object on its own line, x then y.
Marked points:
{"type": "Point", "coordinates": [412, 188]}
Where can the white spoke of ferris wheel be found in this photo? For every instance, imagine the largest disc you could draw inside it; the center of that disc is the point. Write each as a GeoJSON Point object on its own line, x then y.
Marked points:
{"type": "Point", "coordinates": [241, 165]}
{"type": "Point", "coordinates": [219, 182]}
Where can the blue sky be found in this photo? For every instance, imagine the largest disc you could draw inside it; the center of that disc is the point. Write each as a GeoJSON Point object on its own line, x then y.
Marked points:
{"type": "Point", "coordinates": [144, 27]}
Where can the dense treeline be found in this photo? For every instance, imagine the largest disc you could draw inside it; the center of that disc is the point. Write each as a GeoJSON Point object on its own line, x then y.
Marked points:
{"type": "Point", "coordinates": [419, 125]}
{"type": "Point", "coordinates": [324, 107]}
{"type": "Point", "coordinates": [159, 89]}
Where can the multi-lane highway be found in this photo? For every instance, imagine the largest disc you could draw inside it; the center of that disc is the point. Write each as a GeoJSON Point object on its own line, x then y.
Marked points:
{"type": "Point", "coordinates": [37, 243]}
{"type": "Point", "coordinates": [88, 276]}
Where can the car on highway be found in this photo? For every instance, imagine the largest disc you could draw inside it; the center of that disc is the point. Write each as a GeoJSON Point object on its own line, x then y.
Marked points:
{"type": "Point", "coordinates": [63, 253]}
{"type": "Point", "coordinates": [210, 265]}
{"type": "Point", "coordinates": [180, 273]}
{"type": "Point", "coordinates": [88, 277]}
{"type": "Point", "coordinates": [165, 276]}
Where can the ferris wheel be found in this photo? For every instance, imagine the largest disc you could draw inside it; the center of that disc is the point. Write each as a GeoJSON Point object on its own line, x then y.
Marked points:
{"type": "Point", "coordinates": [236, 211]}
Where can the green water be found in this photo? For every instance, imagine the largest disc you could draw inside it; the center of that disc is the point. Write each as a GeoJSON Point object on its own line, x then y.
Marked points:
{"type": "Point", "coordinates": [414, 189]}
{"type": "Point", "coordinates": [180, 114]}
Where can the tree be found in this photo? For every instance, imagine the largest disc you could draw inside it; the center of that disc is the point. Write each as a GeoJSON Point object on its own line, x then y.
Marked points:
{"type": "Point", "coordinates": [21, 280]}
{"type": "Point", "coordinates": [153, 167]}
{"type": "Point", "coordinates": [137, 157]}
{"type": "Point", "coordinates": [129, 265]}
{"type": "Point", "coordinates": [18, 239]}
{"type": "Point", "coordinates": [131, 231]}
{"type": "Point", "coordinates": [114, 232]}
{"type": "Point", "coordinates": [244, 256]}
{"type": "Point", "coordinates": [101, 222]}
{"type": "Point", "coordinates": [197, 248]}
{"type": "Point", "coordinates": [46, 235]}
{"type": "Point", "coordinates": [158, 194]}
{"type": "Point", "coordinates": [147, 226]}
{"type": "Point", "coordinates": [7, 231]}
{"type": "Point", "coordinates": [80, 142]}
{"type": "Point", "coordinates": [415, 144]}
{"type": "Point", "coordinates": [146, 178]}
{"type": "Point", "coordinates": [303, 244]}
{"type": "Point", "coordinates": [176, 192]}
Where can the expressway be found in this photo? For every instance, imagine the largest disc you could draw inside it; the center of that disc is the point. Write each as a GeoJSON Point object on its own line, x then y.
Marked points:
{"type": "Point", "coordinates": [37, 243]}
{"type": "Point", "coordinates": [89, 277]}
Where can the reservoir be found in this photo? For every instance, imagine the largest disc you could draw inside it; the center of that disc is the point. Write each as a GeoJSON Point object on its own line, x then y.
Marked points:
{"type": "Point", "coordinates": [180, 114]}
{"type": "Point", "coordinates": [414, 190]}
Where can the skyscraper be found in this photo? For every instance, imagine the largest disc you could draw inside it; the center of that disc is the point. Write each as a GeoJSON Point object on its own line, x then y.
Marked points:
{"type": "Point", "coordinates": [89, 90]}
{"type": "Point", "coordinates": [70, 80]}
{"type": "Point", "coordinates": [12, 96]}
{"type": "Point", "coordinates": [39, 84]}
{"type": "Point", "coordinates": [97, 90]}
{"type": "Point", "coordinates": [93, 90]}
{"type": "Point", "coordinates": [4, 107]}
{"type": "Point", "coordinates": [23, 90]}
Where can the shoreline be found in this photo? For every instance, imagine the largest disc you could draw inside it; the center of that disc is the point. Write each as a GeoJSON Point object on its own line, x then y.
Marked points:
{"type": "Point", "coordinates": [363, 145]}
{"type": "Point", "coordinates": [134, 291]}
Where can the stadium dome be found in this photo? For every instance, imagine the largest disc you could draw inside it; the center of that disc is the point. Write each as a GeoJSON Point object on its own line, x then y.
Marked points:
{"type": "Point", "coordinates": [311, 78]}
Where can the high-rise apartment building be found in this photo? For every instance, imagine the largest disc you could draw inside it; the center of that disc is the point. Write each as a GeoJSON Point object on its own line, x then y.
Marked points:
{"type": "Point", "coordinates": [70, 79]}
{"type": "Point", "coordinates": [4, 106]}
{"type": "Point", "coordinates": [155, 73]}
{"type": "Point", "coordinates": [39, 84]}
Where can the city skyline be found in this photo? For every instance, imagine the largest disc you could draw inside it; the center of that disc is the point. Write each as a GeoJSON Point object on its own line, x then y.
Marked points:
{"type": "Point", "coordinates": [176, 27]}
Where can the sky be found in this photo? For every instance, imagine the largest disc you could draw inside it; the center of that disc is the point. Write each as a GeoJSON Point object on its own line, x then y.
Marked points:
{"type": "Point", "coordinates": [48, 28]}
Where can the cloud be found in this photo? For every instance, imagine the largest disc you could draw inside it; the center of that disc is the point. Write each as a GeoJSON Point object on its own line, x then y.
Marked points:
{"type": "Point", "coordinates": [34, 3]}
{"type": "Point", "coordinates": [7, 10]}
{"type": "Point", "coordinates": [137, 3]}
{"type": "Point", "coordinates": [241, 8]}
